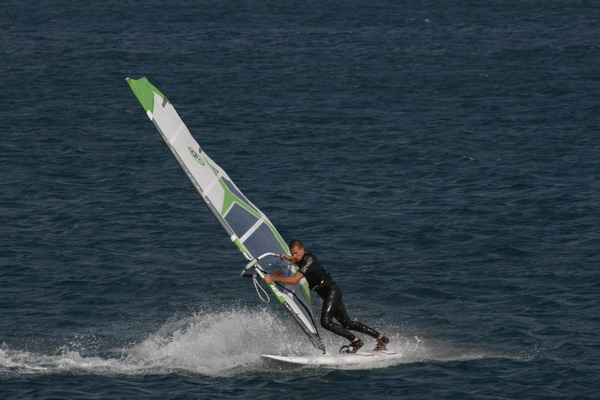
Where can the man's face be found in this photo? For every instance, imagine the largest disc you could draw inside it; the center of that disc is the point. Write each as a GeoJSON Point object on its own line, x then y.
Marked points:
{"type": "Point", "coordinates": [297, 252]}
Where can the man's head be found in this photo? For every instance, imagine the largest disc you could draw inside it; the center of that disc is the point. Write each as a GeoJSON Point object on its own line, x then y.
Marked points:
{"type": "Point", "coordinates": [296, 250]}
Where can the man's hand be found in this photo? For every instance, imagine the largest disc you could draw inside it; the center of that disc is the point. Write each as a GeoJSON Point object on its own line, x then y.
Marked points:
{"type": "Point", "coordinates": [284, 280]}
{"type": "Point", "coordinates": [289, 258]}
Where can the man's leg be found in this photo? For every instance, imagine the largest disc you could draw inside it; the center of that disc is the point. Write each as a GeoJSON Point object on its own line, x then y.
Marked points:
{"type": "Point", "coordinates": [342, 316]}
{"type": "Point", "coordinates": [330, 309]}
{"type": "Point", "coordinates": [345, 320]}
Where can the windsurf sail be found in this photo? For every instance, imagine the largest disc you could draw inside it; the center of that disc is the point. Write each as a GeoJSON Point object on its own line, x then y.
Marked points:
{"type": "Point", "coordinates": [247, 227]}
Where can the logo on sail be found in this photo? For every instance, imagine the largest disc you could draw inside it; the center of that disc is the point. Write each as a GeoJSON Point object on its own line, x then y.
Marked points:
{"type": "Point", "coordinates": [196, 156]}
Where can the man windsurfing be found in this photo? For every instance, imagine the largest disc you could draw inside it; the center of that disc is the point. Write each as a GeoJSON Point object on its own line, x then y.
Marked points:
{"type": "Point", "coordinates": [321, 282]}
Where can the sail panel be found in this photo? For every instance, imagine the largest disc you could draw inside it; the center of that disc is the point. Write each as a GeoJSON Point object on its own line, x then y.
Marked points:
{"type": "Point", "coordinates": [240, 219]}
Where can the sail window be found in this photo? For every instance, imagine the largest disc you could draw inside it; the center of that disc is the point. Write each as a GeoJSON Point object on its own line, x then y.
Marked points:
{"type": "Point", "coordinates": [239, 219]}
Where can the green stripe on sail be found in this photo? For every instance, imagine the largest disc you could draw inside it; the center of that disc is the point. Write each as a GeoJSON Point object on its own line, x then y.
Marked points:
{"type": "Point", "coordinates": [144, 91]}
{"type": "Point", "coordinates": [276, 293]}
{"type": "Point", "coordinates": [229, 198]}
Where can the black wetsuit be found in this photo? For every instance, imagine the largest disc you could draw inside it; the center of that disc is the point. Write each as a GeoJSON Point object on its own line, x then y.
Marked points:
{"type": "Point", "coordinates": [321, 282]}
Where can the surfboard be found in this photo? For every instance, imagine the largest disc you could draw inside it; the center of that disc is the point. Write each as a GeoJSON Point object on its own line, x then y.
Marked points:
{"type": "Point", "coordinates": [360, 359]}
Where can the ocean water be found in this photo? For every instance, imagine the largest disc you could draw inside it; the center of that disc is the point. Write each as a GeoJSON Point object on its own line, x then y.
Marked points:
{"type": "Point", "coordinates": [441, 158]}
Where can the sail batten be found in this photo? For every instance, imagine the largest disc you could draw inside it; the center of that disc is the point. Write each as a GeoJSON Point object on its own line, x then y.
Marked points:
{"type": "Point", "coordinates": [246, 226]}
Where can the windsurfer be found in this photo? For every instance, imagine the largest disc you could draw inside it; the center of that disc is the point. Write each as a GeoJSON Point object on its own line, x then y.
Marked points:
{"type": "Point", "coordinates": [321, 282]}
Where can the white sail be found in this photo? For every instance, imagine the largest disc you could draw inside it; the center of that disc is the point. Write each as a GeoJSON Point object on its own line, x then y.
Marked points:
{"type": "Point", "coordinates": [247, 227]}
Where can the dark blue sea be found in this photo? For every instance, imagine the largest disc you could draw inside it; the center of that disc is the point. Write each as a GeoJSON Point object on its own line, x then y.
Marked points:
{"type": "Point", "coordinates": [440, 157]}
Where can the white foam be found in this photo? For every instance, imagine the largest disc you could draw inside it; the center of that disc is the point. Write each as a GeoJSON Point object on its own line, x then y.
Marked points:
{"type": "Point", "coordinates": [213, 343]}
{"type": "Point", "coordinates": [210, 343]}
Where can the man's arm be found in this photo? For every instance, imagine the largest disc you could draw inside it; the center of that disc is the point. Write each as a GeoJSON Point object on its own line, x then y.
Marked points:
{"type": "Point", "coordinates": [286, 280]}
{"type": "Point", "coordinates": [289, 258]}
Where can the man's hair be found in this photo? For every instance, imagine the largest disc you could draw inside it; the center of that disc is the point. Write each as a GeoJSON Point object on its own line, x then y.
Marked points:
{"type": "Point", "coordinates": [295, 243]}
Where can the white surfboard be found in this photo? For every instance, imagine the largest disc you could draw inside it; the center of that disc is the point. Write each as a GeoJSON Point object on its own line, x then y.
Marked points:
{"type": "Point", "coordinates": [358, 360]}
